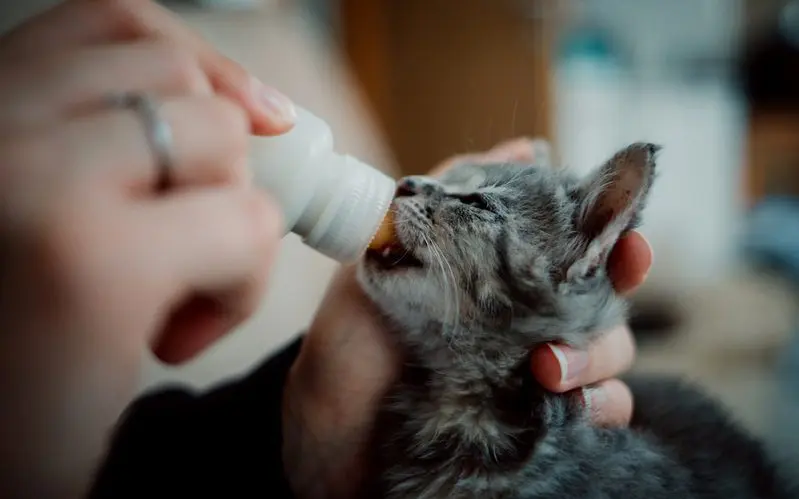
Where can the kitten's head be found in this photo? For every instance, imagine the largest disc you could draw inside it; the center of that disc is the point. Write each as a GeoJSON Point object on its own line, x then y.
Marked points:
{"type": "Point", "coordinates": [507, 255]}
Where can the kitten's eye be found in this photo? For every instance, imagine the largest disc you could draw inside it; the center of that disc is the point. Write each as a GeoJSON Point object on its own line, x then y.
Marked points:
{"type": "Point", "coordinates": [476, 200]}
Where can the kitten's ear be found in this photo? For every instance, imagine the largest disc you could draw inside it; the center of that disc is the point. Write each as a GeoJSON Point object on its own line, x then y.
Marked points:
{"type": "Point", "coordinates": [611, 200]}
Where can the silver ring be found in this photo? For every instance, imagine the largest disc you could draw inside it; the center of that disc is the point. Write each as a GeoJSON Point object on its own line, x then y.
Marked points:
{"type": "Point", "coordinates": [156, 128]}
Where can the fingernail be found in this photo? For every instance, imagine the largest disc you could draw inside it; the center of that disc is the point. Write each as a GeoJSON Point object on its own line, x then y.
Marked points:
{"type": "Point", "coordinates": [273, 103]}
{"type": "Point", "coordinates": [572, 362]}
{"type": "Point", "coordinates": [651, 251]}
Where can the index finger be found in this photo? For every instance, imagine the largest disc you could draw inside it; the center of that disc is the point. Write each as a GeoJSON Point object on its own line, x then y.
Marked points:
{"type": "Point", "coordinates": [560, 368]}
{"type": "Point", "coordinates": [629, 262]}
{"type": "Point", "coordinates": [85, 22]}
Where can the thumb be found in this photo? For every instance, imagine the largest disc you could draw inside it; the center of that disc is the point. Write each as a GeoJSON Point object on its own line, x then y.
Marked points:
{"type": "Point", "coordinates": [215, 247]}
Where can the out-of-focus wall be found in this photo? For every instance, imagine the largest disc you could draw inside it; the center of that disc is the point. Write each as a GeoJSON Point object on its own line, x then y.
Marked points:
{"type": "Point", "coordinates": [693, 217]}
{"type": "Point", "coordinates": [629, 78]}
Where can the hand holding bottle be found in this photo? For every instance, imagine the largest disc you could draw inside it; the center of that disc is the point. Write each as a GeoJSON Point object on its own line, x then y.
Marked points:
{"type": "Point", "coordinates": [96, 263]}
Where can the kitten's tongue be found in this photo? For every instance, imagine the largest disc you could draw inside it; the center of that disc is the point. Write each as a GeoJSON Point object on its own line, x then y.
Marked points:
{"type": "Point", "coordinates": [390, 254]}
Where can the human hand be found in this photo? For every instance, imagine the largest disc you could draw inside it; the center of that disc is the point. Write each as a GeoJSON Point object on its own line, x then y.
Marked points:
{"type": "Point", "coordinates": [95, 263]}
{"type": "Point", "coordinates": [347, 362]}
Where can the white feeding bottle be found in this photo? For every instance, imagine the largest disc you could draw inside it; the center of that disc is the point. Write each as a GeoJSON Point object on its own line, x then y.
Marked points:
{"type": "Point", "coordinates": [333, 201]}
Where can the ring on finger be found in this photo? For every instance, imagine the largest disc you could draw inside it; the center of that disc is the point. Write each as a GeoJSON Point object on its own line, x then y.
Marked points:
{"type": "Point", "coordinates": [157, 130]}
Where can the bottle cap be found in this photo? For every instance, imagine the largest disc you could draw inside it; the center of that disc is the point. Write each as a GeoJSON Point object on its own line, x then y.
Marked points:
{"type": "Point", "coordinates": [360, 199]}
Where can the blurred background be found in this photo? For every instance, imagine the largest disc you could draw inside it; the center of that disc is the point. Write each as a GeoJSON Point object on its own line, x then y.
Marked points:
{"type": "Point", "coordinates": [405, 84]}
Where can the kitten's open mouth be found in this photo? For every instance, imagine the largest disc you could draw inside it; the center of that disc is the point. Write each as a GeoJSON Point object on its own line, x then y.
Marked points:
{"type": "Point", "coordinates": [393, 256]}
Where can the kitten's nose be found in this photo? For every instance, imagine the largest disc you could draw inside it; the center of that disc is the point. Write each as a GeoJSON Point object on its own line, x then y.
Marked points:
{"type": "Point", "coordinates": [406, 188]}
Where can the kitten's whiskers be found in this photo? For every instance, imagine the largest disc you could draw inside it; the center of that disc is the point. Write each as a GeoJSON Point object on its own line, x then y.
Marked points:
{"type": "Point", "coordinates": [451, 293]}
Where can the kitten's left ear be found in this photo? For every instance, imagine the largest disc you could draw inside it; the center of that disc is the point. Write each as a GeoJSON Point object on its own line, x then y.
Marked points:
{"type": "Point", "coordinates": [611, 200]}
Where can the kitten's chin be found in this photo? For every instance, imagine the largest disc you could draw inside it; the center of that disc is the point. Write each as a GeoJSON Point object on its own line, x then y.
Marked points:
{"type": "Point", "coordinates": [392, 258]}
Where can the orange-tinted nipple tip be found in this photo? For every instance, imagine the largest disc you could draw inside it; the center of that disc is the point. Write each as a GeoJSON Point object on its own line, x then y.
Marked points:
{"type": "Point", "coordinates": [385, 235]}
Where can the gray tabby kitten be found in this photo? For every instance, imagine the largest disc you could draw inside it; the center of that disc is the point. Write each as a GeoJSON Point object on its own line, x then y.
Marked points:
{"type": "Point", "coordinates": [491, 261]}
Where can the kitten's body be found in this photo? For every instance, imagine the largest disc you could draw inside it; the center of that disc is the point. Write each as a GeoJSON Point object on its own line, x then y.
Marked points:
{"type": "Point", "coordinates": [497, 259]}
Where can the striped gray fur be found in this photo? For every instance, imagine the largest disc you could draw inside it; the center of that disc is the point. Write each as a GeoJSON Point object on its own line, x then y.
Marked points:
{"type": "Point", "coordinates": [495, 259]}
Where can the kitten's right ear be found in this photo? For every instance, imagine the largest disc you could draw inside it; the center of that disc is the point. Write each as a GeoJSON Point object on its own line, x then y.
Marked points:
{"type": "Point", "coordinates": [610, 202]}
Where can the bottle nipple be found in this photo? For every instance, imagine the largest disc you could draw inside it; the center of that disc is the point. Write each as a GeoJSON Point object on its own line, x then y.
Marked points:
{"type": "Point", "coordinates": [385, 235]}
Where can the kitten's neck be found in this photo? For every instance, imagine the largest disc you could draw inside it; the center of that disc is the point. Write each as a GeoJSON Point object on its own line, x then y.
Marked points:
{"type": "Point", "coordinates": [455, 360]}
{"type": "Point", "coordinates": [461, 415]}
{"type": "Point", "coordinates": [472, 398]}
{"type": "Point", "coordinates": [472, 371]}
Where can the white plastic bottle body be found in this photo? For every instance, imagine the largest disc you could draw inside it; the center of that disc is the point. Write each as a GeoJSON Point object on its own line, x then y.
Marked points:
{"type": "Point", "coordinates": [334, 202]}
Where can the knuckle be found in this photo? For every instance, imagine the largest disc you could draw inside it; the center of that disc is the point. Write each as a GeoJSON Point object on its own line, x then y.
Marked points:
{"type": "Point", "coordinates": [184, 68]}
{"type": "Point", "coordinates": [232, 121]}
{"type": "Point", "coordinates": [232, 74]}
{"type": "Point", "coordinates": [120, 12]}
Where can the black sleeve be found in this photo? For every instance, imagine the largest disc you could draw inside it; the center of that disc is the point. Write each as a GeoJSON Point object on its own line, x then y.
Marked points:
{"type": "Point", "coordinates": [226, 443]}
